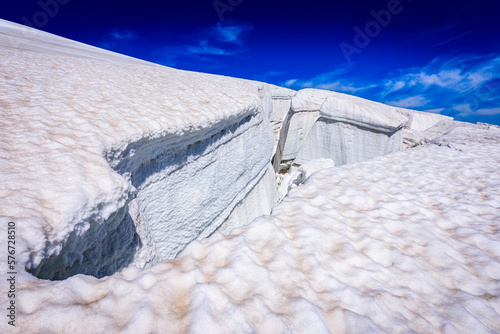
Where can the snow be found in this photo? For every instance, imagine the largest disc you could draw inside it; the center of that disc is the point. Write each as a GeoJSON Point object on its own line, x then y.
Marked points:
{"type": "Point", "coordinates": [16, 36]}
{"type": "Point", "coordinates": [422, 121]}
{"type": "Point", "coordinates": [298, 174]}
{"type": "Point", "coordinates": [368, 247]}
{"type": "Point", "coordinates": [112, 167]}
{"type": "Point", "coordinates": [86, 131]}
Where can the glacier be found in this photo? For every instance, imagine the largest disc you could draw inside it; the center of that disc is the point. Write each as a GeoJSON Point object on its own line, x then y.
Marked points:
{"type": "Point", "coordinates": [150, 200]}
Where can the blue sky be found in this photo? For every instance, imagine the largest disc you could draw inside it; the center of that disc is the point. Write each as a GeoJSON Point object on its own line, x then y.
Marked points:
{"type": "Point", "coordinates": [436, 56]}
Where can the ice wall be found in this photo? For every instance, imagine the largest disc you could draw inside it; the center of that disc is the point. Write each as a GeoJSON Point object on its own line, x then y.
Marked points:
{"type": "Point", "coordinates": [343, 128]}
{"type": "Point", "coordinates": [260, 199]}
{"type": "Point", "coordinates": [350, 130]}
{"type": "Point", "coordinates": [188, 185]}
{"type": "Point", "coordinates": [282, 103]}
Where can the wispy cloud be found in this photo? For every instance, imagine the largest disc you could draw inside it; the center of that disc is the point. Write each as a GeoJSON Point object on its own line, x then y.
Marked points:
{"type": "Point", "coordinates": [117, 37]}
{"type": "Point", "coordinates": [123, 35]}
{"type": "Point", "coordinates": [203, 48]}
{"type": "Point", "coordinates": [392, 86]}
{"type": "Point", "coordinates": [222, 39]}
{"type": "Point", "coordinates": [231, 32]}
{"type": "Point", "coordinates": [332, 80]}
{"type": "Point", "coordinates": [466, 111]}
{"type": "Point", "coordinates": [454, 38]}
{"type": "Point", "coordinates": [460, 86]}
{"type": "Point", "coordinates": [464, 87]}
{"type": "Point", "coordinates": [460, 75]}
{"type": "Point", "coordinates": [409, 102]}
{"type": "Point", "coordinates": [488, 111]}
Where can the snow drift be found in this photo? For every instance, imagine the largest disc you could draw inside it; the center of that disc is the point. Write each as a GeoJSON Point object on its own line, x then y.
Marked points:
{"type": "Point", "coordinates": [113, 167]}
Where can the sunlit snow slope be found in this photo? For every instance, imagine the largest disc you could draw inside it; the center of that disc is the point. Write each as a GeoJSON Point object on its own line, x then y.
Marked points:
{"type": "Point", "coordinates": [108, 160]}
{"type": "Point", "coordinates": [110, 165]}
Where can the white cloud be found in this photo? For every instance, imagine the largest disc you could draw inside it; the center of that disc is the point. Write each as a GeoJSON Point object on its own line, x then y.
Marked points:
{"type": "Point", "coordinates": [332, 80]}
{"type": "Point", "coordinates": [117, 38]}
{"type": "Point", "coordinates": [223, 39]}
{"type": "Point", "coordinates": [444, 78]}
{"type": "Point", "coordinates": [204, 49]}
{"type": "Point", "coordinates": [488, 111]}
{"type": "Point", "coordinates": [337, 86]}
{"type": "Point", "coordinates": [123, 35]}
{"type": "Point", "coordinates": [460, 86]}
{"type": "Point", "coordinates": [467, 110]}
{"type": "Point", "coordinates": [231, 32]}
{"type": "Point", "coordinates": [464, 109]}
{"type": "Point", "coordinates": [217, 39]}
{"type": "Point", "coordinates": [409, 102]}
{"type": "Point", "coordinates": [461, 74]}
{"type": "Point", "coordinates": [393, 86]}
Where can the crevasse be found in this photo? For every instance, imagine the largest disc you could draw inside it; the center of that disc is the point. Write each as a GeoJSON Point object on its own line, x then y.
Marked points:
{"type": "Point", "coordinates": [186, 187]}
{"type": "Point", "coordinates": [129, 166]}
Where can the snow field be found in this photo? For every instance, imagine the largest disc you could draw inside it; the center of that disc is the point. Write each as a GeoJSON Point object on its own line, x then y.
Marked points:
{"type": "Point", "coordinates": [372, 246]}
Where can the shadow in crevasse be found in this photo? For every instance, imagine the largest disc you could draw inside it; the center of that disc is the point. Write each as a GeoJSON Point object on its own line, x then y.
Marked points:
{"type": "Point", "coordinates": [109, 246]}
{"type": "Point", "coordinates": [102, 250]}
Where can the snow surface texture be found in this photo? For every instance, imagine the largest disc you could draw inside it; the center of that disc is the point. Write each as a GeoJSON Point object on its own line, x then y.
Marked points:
{"type": "Point", "coordinates": [85, 131]}
{"type": "Point", "coordinates": [97, 150]}
{"type": "Point", "coordinates": [404, 242]}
